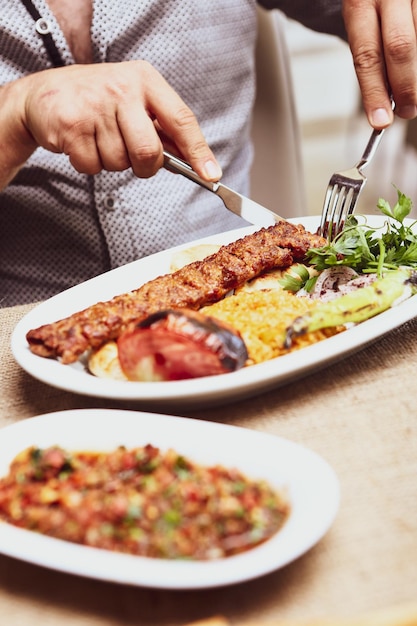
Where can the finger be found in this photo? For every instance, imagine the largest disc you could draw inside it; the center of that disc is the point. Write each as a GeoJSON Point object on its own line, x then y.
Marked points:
{"type": "Point", "coordinates": [167, 142]}
{"type": "Point", "coordinates": [363, 29]}
{"type": "Point", "coordinates": [111, 146]}
{"type": "Point", "coordinates": [86, 160]}
{"type": "Point", "coordinates": [398, 27]}
{"type": "Point", "coordinates": [66, 133]}
{"type": "Point", "coordinates": [81, 148]}
{"type": "Point", "coordinates": [96, 142]}
{"type": "Point", "coordinates": [143, 146]}
{"type": "Point", "coordinates": [117, 136]}
{"type": "Point", "coordinates": [178, 122]}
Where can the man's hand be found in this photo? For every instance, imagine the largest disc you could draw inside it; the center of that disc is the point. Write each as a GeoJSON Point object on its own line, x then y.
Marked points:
{"type": "Point", "coordinates": [104, 117]}
{"type": "Point", "coordinates": [383, 38]}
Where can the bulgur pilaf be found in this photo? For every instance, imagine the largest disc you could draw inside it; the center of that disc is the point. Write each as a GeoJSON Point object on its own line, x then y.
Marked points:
{"type": "Point", "coordinates": [262, 318]}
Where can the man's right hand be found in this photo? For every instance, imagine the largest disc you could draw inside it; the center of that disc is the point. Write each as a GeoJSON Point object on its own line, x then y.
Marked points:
{"type": "Point", "coordinates": [104, 117]}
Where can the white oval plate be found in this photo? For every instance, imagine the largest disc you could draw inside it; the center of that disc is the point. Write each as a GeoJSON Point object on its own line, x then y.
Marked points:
{"type": "Point", "coordinates": [205, 391]}
{"type": "Point", "coordinates": [312, 485]}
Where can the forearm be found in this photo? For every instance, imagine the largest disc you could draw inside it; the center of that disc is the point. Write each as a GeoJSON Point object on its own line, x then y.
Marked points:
{"type": "Point", "coordinates": [321, 15]}
{"type": "Point", "coordinates": [16, 143]}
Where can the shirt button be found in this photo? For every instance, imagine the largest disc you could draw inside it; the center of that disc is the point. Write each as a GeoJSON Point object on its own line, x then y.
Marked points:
{"type": "Point", "coordinates": [109, 203]}
{"type": "Point", "coordinates": [42, 26]}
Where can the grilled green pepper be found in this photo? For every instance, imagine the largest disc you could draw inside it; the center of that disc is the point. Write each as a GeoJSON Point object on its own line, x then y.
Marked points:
{"type": "Point", "coordinates": [357, 306]}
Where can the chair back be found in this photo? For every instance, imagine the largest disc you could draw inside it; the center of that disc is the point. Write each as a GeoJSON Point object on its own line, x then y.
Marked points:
{"type": "Point", "coordinates": [277, 176]}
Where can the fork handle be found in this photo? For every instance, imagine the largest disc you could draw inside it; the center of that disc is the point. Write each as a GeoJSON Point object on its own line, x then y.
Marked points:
{"type": "Point", "coordinates": [373, 143]}
{"type": "Point", "coordinates": [371, 148]}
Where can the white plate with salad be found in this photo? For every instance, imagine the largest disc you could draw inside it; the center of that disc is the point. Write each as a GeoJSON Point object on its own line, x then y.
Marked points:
{"type": "Point", "coordinates": [306, 480]}
{"type": "Point", "coordinates": [223, 388]}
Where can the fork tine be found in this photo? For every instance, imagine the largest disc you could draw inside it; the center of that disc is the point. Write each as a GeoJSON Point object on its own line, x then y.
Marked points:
{"type": "Point", "coordinates": [330, 201]}
{"type": "Point", "coordinates": [349, 206]}
{"type": "Point", "coordinates": [350, 203]}
{"type": "Point", "coordinates": [344, 204]}
{"type": "Point", "coordinates": [340, 202]}
{"type": "Point", "coordinates": [334, 223]}
{"type": "Point", "coordinates": [343, 192]}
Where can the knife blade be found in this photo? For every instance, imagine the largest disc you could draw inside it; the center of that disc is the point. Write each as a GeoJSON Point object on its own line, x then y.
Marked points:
{"type": "Point", "coordinates": [240, 205]}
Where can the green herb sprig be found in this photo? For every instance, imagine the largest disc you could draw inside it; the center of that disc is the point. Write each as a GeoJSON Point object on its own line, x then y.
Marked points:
{"type": "Point", "coordinates": [297, 277]}
{"type": "Point", "coordinates": [366, 249]}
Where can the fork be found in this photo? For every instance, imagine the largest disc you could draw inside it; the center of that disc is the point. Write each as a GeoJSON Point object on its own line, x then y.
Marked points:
{"type": "Point", "coordinates": [343, 191]}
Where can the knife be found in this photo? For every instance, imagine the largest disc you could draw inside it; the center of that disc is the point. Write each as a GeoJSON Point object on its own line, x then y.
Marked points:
{"type": "Point", "coordinates": [246, 208]}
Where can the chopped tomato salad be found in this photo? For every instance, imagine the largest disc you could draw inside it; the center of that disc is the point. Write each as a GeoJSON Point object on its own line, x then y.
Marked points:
{"type": "Point", "coordinates": [140, 501]}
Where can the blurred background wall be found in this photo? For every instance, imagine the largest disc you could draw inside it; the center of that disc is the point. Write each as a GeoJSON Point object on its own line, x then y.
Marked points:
{"type": "Point", "coordinates": [334, 130]}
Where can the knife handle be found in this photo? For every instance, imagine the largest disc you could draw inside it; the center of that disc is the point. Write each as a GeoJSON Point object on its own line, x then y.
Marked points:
{"type": "Point", "coordinates": [177, 165]}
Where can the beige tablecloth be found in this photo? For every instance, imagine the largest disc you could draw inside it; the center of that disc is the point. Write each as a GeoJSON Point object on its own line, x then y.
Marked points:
{"type": "Point", "coordinates": [359, 414]}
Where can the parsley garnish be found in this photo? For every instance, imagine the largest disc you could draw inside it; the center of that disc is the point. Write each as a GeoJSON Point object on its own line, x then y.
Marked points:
{"type": "Point", "coordinates": [361, 247]}
{"type": "Point", "coordinates": [297, 277]}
